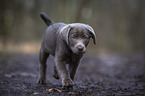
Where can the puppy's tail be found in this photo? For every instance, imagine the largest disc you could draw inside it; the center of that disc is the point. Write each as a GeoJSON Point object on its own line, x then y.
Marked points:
{"type": "Point", "coordinates": [46, 19]}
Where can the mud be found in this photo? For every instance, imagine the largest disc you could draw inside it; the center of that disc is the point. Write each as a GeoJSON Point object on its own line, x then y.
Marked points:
{"type": "Point", "coordinates": [104, 74]}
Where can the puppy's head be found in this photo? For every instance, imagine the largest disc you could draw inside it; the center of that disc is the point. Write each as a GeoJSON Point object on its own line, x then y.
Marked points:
{"type": "Point", "coordinates": [77, 36]}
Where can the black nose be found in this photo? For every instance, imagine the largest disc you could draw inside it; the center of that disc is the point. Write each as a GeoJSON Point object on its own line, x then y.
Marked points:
{"type": "Point", "coordinates": [80, 48]}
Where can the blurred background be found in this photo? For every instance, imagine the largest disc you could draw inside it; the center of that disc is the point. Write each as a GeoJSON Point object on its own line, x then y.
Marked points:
{"type": "Point", "coordinates": [119, 24]}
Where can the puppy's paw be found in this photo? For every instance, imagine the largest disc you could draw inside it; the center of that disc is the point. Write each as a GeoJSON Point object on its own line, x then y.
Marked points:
{"type": "Point", "coordinates": [55, 74]}
{"type": "Point", "coordinates": [41, 81]}
{"type": "Point", "coordinates": [67, 83]}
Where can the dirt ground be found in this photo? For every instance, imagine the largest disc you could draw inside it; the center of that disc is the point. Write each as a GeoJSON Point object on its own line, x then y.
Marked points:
{"type": "Point", "coordinates": [103, 74]}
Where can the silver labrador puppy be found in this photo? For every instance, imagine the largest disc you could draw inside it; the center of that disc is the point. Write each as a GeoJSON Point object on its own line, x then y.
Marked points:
{"type": "Point", "coordinates": [67, 43]}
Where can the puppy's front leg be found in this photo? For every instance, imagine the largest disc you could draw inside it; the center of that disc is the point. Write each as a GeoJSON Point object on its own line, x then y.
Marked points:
{"type": "Point", "coordinates": [63, 74]}
{"type": "Point", "coordinates": [73, 68]}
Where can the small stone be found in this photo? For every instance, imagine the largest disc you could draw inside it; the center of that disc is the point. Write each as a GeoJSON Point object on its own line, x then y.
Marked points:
{"type": "Point", "coordinates": [8, 75]}
{"type": "Point", "coordinates": [35, 93]}
{"type": "Point", "coordinates": [71, 93]}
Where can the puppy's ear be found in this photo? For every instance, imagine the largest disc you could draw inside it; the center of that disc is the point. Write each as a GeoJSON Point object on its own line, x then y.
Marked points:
{"type": "Point", "coordinates": [92, 33]}
{"type": "Point", "coordinates": [65, 32]}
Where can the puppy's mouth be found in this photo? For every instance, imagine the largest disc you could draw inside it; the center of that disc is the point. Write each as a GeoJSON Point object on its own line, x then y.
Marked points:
{"type": "Point", "coordinates": [79, 52]}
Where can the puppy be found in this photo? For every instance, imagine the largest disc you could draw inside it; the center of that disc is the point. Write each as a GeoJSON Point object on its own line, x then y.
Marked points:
{"type": "Point", "coordinates": [67, 43]}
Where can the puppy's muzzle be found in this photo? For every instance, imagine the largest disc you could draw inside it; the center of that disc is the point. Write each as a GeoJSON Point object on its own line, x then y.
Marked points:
{"type": "Point", "coordinates": [80, 48]}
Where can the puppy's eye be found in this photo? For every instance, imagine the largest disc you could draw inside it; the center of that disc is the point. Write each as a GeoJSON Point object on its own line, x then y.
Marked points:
{"type": "Point", "coordinates": [73, 37]}
{"type": "Point", "coordinates": [85, 37]}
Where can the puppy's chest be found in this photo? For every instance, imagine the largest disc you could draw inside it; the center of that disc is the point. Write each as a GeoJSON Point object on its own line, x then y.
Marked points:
{"type": "Point", "coordinates": [71, 58]}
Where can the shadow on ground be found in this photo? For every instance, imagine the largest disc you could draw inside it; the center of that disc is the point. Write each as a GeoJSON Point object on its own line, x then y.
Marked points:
{"type": "Point", "coordinates": [108, 74]}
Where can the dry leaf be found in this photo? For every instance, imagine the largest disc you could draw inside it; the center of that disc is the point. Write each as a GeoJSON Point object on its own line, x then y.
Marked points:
{"type": "Point", "coordinates": [53, 90]}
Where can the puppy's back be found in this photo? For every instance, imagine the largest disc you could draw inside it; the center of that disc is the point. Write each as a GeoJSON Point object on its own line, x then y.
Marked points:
{"type": "Point", "coordinates": [51, 36]}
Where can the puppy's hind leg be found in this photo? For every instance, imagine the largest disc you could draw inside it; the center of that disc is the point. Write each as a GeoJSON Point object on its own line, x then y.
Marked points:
{"type": "Point", "coordinates": [43, 58]}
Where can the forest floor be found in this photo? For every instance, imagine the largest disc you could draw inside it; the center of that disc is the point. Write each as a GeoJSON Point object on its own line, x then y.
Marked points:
{"type": "Point", "coordinates": [103, 74]}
